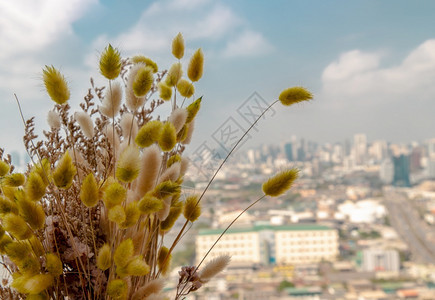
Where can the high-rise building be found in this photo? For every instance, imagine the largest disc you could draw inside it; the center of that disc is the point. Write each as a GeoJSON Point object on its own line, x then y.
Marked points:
{"type": "Point", "coordinates": [415, 159]}
{"type": "Point", "coordinates": [360, 148]}
{"type": "Point", "coordinates": [401, 170]}
{"type": "Point", "coordinates": [288, 148]}
{"type": "Point", "coordinates": [386, 171]}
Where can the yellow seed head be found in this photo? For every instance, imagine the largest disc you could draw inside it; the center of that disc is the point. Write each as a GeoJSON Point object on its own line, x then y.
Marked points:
{"type": "Point", "coordinates": [38, 283]}
{"type": "Point", "coordinates": [168, 137]}
{"type": "Point", "coordinates": [149, 204]}
{"type": "Point", "coordinates": [112, 101]}
{"type": "Point", "coordinates": [145, 60]}
{"type": "Point", "coordinates": [41, 296]}
{"type": "Point", "coordinates": [166, 188]}
{"type": "Point", "coordinates": [104, 258]}
{"type": "Point", "coordinates": [193, 109]}
{"type": "Point", "coordinates": [32, 212]}
{"type": "Point", "coordinates": [149, 133]}
{"type": "Point", "coordinates": [43, 170]}
{"type": "Point", "coordinates": [137, 267]}
{"type": "Point", "coordinates": [143, 81]}
{"type": "Point", "coordinates": [53, 264]}
{"type": "Point", "coordinates": [89, 192]}
{"type": "Point", "coordinates": [86, 124]}
{"type": "Point", "coordinates": [174, 74]}
{"type": "Point", "coordinates": [114, 194]}
{"type": "Point", "coordinates": [196, 66]}
{"type": "Point", "coordinates": [185, 88]}
{"type": "Point", "coordinates": [117, 214]}
{"type": "Point", "coordinates": [35, 186]}
{"type": "Point", "coordinates": [29, 266]}
{"type": "Point", "coordinates": [4, 168]}
{"type": "Point", "coordinates": [7, 206]}
{"type": "Point", "coordinates": [280, 183]}
{"type": "Point", "coordinates": [14, 180]}
{"type": "Point", "coordinates": [132, 214]}
{"type": "Point", "coordinates": [16, 251]}
{"type": "Point", "coordinates": [294, 95]}
{"type": "Point", "coordinates": [64, 172]}
{"type": "Point", "coordinates": [2, 231]}
{"type": "Point", "coordinates": [128, 166]}
{"type": "Point", "coordinates": [16, 226]}
{"type": "Point", "coordinates": [36, 246]}
{"type": "Point", "coordinates": [214, 267]}
{"type": "Point", "coordinates": [173, 159]}
{"type": "Point", "coordinates": [4, 241]}
{"type": "Point", "coordinates": [192, 209]}
{"type": "Point", "coordinates": [117, 289]}
{"type": "Point", "coordinates": [110, 63]}
{"type": "Point", "coordinates": [178, 46]}
{"type": "Point", "coordinates": [165, 91]}
{"type": "Point", "coordinates": [163, 260]}
{"type": "Point", "coordinates": [56, 85]}
{"type": "Point", "coordinates": [124, 253]}
{"type": "Point", "coordinates": [174, 213]}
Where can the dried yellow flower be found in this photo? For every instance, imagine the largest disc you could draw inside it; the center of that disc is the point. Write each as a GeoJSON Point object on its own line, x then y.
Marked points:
{"type": "Point", "coordinates": [164, 260]}
{"type": "Point", "coordinates": [29, 266]}
{"type": "Point", "coordinates": [174, 74]}
{"type": "Point", "coordinates": [7, 206]}
{"type": "Point", "coordinates": [132, 214]}
{"type": "Point", "coordinates": [280, 183]}
{"type": "Point", "coordinates": [16, 226]}
{"type": "Point", "coordinates": [143, 81]}
{"type": "Point", "coordinates": [4, 168]}
{"type": "Point", "coordinates": [192, 209]}
{"type": "Point", "coordinates": [137, 267]}
{"type": "Point", "coordinates": [174, 213]}
{"type": "Point", "coordinates": [168, 137]}
{"type": "Point", "coordinates": [56, 85]}
{"type": "Point", "coordinates": [89, 192]}
{"type": "Point", "coordinates": [104, 257]}
{"type": "Point", "coordinates": [128, 166]}
{"type": "Point", "coordinates": [114, 194]}
{"type": "Point", "coordinates": [32, 212]}
{"type": "Point", "coordinates": [123, 253]}
{"type": "Point", "coordinates": [185, 88]}
{"type": "Point", "coordinates": [145, 60]}
{"type": "Point", "coordinates": [165, 91]}
{"type": "Point", "coordinates": [117, 289]}
{"type": "Point", "coordinates": [14, 180]}
{"type": "Point", "coordinates": [35, 186]}
{"type": "Point", "coordinates": [110, 63]}
{"type": "Point", "coordinates": [149, 204]}
{"type": "Point", "coordinates": [117, 214]}
{"type": "Point", "coordinates": [178, 46]}
{"type": "Point", "coordinates": [294, 95]}
{"type": "Point", "coordinates": [149, 133]}
{"type": "Point", "coordinates": [193, 109]}
{"type": "Point", "coordinates": [196, 66]}
{"type": "Point", "coordinates": [64, 172]}
{"type": "Point", "coordinates": [53, 264]}
{"type": "Point", "coordinates": [173, 159]}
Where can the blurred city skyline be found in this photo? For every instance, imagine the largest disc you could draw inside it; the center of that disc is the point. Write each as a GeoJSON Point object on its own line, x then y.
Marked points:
{"type": "Point", "coordinates": [370, 65]}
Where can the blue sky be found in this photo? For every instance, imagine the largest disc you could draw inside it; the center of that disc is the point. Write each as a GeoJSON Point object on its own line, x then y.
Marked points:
{"type": "Point", "coordinates": [370, 64]}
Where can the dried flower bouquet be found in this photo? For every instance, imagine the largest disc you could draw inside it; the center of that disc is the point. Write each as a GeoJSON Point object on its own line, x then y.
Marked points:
{"type": "Point", "coordinates": [88, 217]}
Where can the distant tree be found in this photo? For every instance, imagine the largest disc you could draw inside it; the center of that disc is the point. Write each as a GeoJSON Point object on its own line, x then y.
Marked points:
{"type": "Point", "coordinates": [285, 284]}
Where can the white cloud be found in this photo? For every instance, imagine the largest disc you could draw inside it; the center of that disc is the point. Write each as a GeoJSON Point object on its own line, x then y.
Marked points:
{"type": "Point", "coordinates": [247, 44]}
{"type": "Point", "coordinates": [198, 20]}
{"type": "Point", "coordinates": [31, 25]}
{"type": "Point", "coordinates": [359, 76]}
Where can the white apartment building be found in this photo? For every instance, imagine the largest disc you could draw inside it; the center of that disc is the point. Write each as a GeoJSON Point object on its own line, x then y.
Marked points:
{"type": "Point", "coordinates": [267, 244]}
